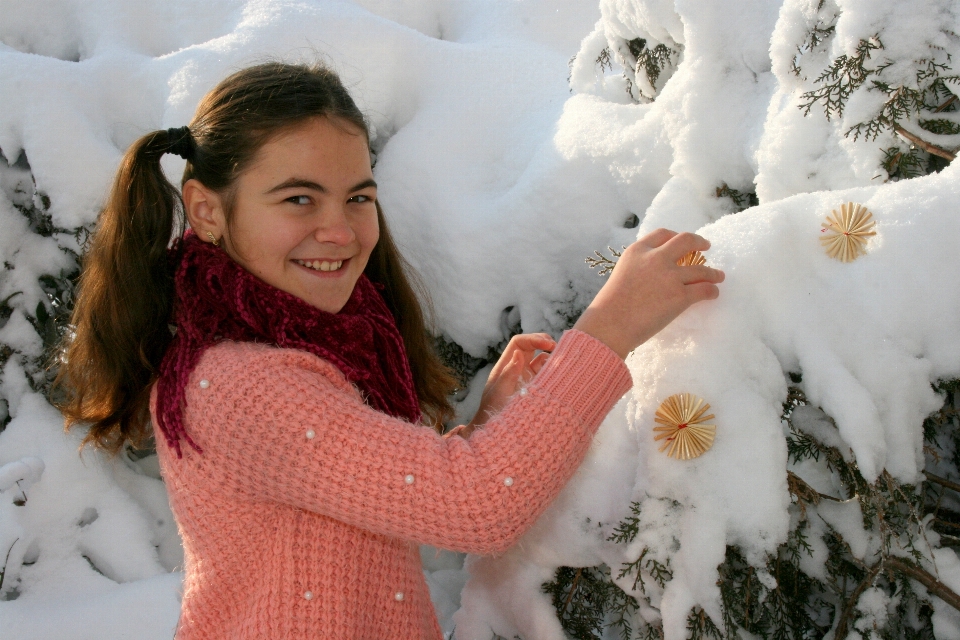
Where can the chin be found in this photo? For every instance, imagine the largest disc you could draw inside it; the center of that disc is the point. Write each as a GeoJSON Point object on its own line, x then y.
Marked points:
{"type": "Point", "coordinates": [330, 306]}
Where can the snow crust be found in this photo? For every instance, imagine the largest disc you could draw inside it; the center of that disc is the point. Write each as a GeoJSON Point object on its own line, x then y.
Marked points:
{"type": "Point", "coordinates": [498, 176]}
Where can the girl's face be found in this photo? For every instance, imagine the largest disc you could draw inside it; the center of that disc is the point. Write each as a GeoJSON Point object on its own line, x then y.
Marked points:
{"type": "Point", "coordinates": [304, 215]}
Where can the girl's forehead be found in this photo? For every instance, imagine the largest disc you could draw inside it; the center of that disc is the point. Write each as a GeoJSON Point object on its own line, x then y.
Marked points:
{"type": "Point", "coordinates": [316, 148]}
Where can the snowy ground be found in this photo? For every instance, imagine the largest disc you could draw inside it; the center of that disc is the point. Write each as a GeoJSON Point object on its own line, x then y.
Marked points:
{"type": "Point", "coordinates": [502, 164]}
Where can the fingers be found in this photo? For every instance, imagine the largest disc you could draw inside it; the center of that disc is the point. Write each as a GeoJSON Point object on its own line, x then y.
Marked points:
{"type": "Point", "coordinates": [656, 238]}
{"type": "Point", "coordinates": [683, 243]}
{"type": "Point", "coordinates": [531, 342]}
{"type": "Point", "coordinates": [519, 361]}
{"type": "Point", "coordinates": [537, 363]}
{"type": "Point", "coordinates": [506, 373]}
{"type": "Point", "coordinates": [702, 291]}
{"type": "Point", "coordinates": [693, 274]}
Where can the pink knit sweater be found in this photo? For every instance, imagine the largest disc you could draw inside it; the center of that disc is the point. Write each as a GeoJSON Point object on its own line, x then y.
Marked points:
{"type": "Point", "coordinates": [303, 515]}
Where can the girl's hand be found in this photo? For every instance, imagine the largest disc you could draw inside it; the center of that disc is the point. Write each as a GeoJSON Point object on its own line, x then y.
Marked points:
{"type": "Point", "coordinates": [515, 368]}
{"type": "Point", "coordinates": [647, 290]}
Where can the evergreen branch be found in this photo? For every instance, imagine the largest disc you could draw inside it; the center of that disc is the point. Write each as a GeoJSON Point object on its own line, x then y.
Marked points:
{"type": "Point", "coordinates": [923, 144]}
{"type": "Point", "coordinates": [905, 567]}
{"type": "Point", "coordinates": [842, 78]}
{"type": "Point", "coordinates": [902, 164]}
{"type": "Point", "coordinates": [700, 625]}
{"type": "Point", "coordinates": [943, 482]}
{"type": "Point", "coordinates": [651, 61]}
{"type": "Point", "coordinates": [946, 523]}
{"type": "Point", "coordinates": [603, 60]}
{"type": "Point", "coordinates": [3, 572]}
{"type": "Point", "coordinates": [940, 126]}
{"type": "Point", "coordinates": [741, 199]}
{"type": "Point", "coordinates": [606, 264]}
{"type": "Point", "coordinates": [628, 528]}
{"type": "Point", "coordinates": [946, 104]}
{"type": "Point", "coordinates": [804, 493]}
{"type": "Point", "coordinates": [818, 34]}
{"type": "Point", "coordinates": [851, 605]}
{"type": "Point", "coordinates": [573, 588]}
{"type": "Point", "coordinates": [629, 567]}
{"type": "Point", "coordinates": [925, 578]}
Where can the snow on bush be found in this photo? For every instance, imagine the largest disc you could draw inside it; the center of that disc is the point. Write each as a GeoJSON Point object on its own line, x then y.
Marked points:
{"type": "Point", "coordinates": [513, 139]}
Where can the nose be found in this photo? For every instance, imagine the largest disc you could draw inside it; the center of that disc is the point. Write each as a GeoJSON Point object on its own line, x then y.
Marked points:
{"type": "Point", "coordinates": [334, 227]}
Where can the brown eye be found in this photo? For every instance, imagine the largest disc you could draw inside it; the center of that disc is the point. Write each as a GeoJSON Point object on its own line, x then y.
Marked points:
{"type": "Point", "coordinates": [299, 200]}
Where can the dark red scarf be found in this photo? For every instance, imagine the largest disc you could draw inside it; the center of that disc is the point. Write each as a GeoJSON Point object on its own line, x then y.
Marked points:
{"type": "Point", "coordinates": [216, 299]}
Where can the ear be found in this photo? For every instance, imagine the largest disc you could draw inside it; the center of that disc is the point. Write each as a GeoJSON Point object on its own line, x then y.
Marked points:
{"type": "Point", "coordinates": [205, 210]}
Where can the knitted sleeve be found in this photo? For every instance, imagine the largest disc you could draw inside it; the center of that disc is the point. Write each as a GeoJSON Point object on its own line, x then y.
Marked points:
{"type": "Point", "coordinates": [285, 426]}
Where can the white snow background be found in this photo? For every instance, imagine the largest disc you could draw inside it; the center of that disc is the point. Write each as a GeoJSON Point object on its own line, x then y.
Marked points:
{"type": "Point", "coordinates": [501, 165]}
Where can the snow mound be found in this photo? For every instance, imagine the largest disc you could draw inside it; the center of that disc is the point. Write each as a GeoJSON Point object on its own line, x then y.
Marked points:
{"type": "Point", "coordinates": [497, 182]}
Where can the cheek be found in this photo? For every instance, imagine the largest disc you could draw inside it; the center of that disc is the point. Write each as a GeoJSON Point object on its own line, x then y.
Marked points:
{"type": "Point", "coordinates": [369, 234]}
{"type": "Point", "coordinates": [263, 245]}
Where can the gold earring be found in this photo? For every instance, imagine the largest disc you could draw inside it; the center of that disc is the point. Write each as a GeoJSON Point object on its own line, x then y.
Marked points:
{"type": "Point", "coordinates": [213, 240]}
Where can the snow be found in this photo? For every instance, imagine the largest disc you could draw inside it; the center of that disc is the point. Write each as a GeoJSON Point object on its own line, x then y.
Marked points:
{"type": "Point", "coordinates": [498, 177]}
{"type": "Point", "coordinates": [90, 537]}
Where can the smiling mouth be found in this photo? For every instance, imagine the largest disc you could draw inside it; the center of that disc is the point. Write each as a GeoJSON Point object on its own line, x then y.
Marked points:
{"type": "Point", "coordinates": [321, 265]}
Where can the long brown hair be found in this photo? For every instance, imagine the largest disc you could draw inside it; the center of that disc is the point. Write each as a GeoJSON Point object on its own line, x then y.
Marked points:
{"type": "Point", "coordinates": [120, 328]}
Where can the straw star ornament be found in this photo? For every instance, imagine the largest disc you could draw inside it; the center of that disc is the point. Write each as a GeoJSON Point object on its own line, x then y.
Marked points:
{"type": "Point", "coordinates": [693, 258]}
{"type": "Point", "coordinates": [845, 234]}
{"type": "Point", "coordinates": [683, 426]}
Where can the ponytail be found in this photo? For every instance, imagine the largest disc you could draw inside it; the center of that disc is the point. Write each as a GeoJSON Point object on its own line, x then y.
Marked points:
{"type": "Point", "coordinates": [125, 298]}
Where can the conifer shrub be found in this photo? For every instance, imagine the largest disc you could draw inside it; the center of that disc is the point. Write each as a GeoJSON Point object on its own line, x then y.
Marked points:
{"type": "Point", "coordinates": [784, 599]}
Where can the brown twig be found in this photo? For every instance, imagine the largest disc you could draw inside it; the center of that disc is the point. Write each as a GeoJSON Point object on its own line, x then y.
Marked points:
{"type": "Point", "coordinates": [573, 587]}
{"type": "Point", "coordinates": [948, 540]}
{"type": "Point", "coordinates": [804, 492]}
{"type": "Point", "coordinates": [18, 501]}
{"type": "Point", "coordinates": [945, 104]}
{"type": "Point", "coordinates": [942, 481]}
{"type": "Point", "coordinates": [848, 609]}
{"type": "Point", "coordinates": [922, 576]}
{"type": "Point", "coordinates": [923, 144]}
{"type": "Point", "coordinates": [907, 568]}
{"type": "Point", "coordinates": [3, 572]}
{"type": "Point", "coordinates": [947, 524]}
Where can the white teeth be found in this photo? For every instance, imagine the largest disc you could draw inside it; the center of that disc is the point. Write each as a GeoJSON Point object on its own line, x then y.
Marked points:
{"type": "Point", "coordinates": [319, 265]}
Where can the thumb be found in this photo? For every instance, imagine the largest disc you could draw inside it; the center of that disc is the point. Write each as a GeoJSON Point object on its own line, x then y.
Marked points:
{"type": "Point", "coordinates": [537, 363]}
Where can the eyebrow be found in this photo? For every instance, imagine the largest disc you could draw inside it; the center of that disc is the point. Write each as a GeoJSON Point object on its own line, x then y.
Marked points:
{"type": "Point", "coordinates": [300, 183]}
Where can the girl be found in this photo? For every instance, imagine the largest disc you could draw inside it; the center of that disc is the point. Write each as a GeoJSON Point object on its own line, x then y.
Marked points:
{"type": "Point", "coordinates": [280, 353]}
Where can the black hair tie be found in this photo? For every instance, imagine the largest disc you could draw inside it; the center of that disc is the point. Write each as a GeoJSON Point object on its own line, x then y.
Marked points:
{"type": "Point", "coordinates": [180, 141]}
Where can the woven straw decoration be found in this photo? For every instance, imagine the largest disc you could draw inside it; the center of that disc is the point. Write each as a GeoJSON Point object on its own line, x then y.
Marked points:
{"type": "Point", "coordinates": [683, 427]}
{"type": "Point", "coordinates": [692, 259]}
{"type": "Point", "coordinates": [845, 234]}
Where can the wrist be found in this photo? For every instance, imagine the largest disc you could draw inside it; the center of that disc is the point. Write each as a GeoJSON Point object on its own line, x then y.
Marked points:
{"type": "Point", "coordinates": [594, 324]}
